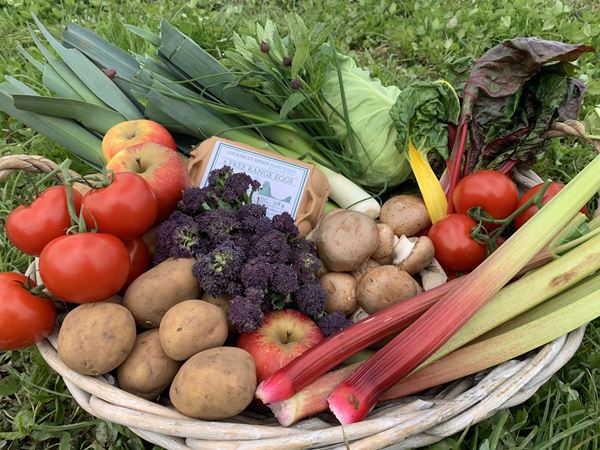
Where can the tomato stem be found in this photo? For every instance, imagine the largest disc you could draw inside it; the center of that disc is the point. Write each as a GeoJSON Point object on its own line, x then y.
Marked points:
{"type": "Point", "coordinates": [477, 213]}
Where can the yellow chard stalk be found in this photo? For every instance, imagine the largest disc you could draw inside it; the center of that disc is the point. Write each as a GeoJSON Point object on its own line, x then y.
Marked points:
{"type": "Point", "coordinates": [430, 187]}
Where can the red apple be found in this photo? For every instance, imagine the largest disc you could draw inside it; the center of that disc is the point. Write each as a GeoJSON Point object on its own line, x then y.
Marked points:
{"type": "Point", "coordinates": [283, 336]}
{"type": "Point", "coordinates": [163, 169]}
{"type": "Point", "coordinates": [134, 132]}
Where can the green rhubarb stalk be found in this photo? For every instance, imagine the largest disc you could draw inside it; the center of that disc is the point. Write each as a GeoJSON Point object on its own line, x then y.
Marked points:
{"type": "Point", "coordinates": [537, 327]}
{"type": "Point", "coordinates": [352, 400]}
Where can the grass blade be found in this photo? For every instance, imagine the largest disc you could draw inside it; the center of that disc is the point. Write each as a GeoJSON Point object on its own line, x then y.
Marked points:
{"type": "Point", "coordinates": [92, 76]}
{"type": "Point", "coordinates": [93, 117]}
{"type": "Point", "coordinates": [65, 132]}
{"type": "Point", "coordinates": [146, 35]}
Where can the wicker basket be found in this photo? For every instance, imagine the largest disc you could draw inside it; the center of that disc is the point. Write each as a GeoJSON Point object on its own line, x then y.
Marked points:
{"type": "Point", "coordinates": [409, 422]}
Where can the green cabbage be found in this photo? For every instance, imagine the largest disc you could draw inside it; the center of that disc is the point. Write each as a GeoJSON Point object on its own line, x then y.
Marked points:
{"type": "Point", "coordinates": [374, 133]}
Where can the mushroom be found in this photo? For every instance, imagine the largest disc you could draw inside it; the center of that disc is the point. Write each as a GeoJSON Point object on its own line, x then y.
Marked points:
{"type": "Point", "coordinates": [346, 239]}
{"type": "Point", "coordinates": [340, 292]}
{"type": "Point", "coordinates": [414, 256]}
{"type": "Point", "coordinates": [433, 275]}
{"type": "Point", "coordinates": [405, 214]}
{"type": "Point", "coordinates": [364, 268]}
{"type": "Point", "coordinates": [386, 243]}
{"type": "Point", "coordinates": [384, 286]}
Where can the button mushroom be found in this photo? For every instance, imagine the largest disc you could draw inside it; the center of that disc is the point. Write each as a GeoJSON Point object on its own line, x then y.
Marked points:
{"type": "Point", "coordinates": [405, 214]}
{"type": "Point", "coordinates": [386, 244]}
{"type": "Point", "coordinates": [384, 286]}
{"type": "Point", "coordinates": [364, 268]}
{"type": "Point", "coordinates": [419, 256]}
{"type": "Point", "coordinates": [346, 239]}
{"type": "Point", "coordinates": [340, 292]}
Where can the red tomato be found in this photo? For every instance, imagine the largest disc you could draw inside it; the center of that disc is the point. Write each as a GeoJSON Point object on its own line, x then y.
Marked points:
{"type": "Point", "coordinates": [24, 317]}
{"type": "Point", "coordinates": [30, 228]}
{"type": "Point", "coordinates": [139, 258]}
{"type": "Point", "coordinates": [552, 190]}
{"type": "Point", "coordinates": [496, 193]}
{"type": "Point", "coordinates": [126, 208]}
{"type": "Point", "coordinates": [455, 249]}
{"type": "Point", "coordinates": [85, 267]}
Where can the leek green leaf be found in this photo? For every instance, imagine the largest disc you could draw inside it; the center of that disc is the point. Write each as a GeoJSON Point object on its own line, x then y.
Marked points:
{"type": "Point", "coordinates": [149, 36]}
{"type": "Point", "coordinates": [92, 76]}
{"type": "Point", "coordinates": [93, 117]}
{"type": "Point", "coordinates": [64, 132]}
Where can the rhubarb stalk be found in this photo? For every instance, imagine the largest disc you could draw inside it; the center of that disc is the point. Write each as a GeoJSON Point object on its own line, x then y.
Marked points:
{"type": "Point", "coordinates": [352, 400]}
{"type": "Point", "coordinates": [319, 359]}
{"type": "Point", "coordinates": [552, 280]}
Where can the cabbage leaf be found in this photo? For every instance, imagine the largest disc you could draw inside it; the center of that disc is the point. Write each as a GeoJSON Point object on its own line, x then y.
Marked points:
{"type": "Point", "coordinates": [372, 144]}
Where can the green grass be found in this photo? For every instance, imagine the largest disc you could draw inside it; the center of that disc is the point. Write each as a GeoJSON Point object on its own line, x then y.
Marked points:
{"type": "Point", "coordinates": [399, 41]}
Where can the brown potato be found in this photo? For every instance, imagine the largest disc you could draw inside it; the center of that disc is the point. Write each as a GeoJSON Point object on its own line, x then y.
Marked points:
{"type": "Point", "coordinates": [215, 384]}
{"type": "Point", "coordinates": [346, 239]}
{"type": "Point", "coordinates": [191, 327]}
{"type": "Point", "coordinates": [154, 292]}
{"type": "Point", "coordinates": [405, 214]}
{"type": "Point", "coordinates": [96, 338]}
{"type": "Point", "coordinates": [384, 286]}
{"type": "Point", "coordinates": [147, 371]}
{"type": "Point", "coordinates": [340, 292]}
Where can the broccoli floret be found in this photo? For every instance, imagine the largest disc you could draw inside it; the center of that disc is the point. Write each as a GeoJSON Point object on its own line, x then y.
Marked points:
{"type": "Point", "coordinates": [178, 237]}
{"type": "Point", "coordinates": [257, 273]}
{"type": "Point", "coordinates": [284, 279]}
{"type": "Point", "coordinates": [218, 224]}
{"type": "Point", "coordinates": [310, 299]}
{"type": "Point", "coordinates": [274, 246]}
{"type": "Point", "coordinates": [333, 322]}
{"type": "Point", "coordinates": [217, 177]}
{"type": "Point", "coordinates": [217, 272]}
{"type": "Point", "coordinates": [249, 215]}
{"type": "Point", "coordinates": [195, 200]}
{"type": "Point", "coordinates": [245, 314]}
{"type": "Point", "coordinates": [305, 260]}
{"type": "Point", "coordinates": [285, 223]}
{"type": "Point", "coordinates": [236, 187]}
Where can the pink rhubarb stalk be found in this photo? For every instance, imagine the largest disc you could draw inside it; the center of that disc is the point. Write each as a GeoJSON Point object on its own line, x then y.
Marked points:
{"type": "Point", "coordinates": [318, 360]}
{"type": "Point", "coordinates": [353, 399]}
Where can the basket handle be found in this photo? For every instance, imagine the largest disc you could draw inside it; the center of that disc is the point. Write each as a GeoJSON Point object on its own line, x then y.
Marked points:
{"type": "Point", "coordinates": [28, 163]}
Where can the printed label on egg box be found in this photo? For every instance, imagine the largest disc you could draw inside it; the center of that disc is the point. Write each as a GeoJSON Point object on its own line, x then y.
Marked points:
{"type": "Point", "coordinates": [281, 182]}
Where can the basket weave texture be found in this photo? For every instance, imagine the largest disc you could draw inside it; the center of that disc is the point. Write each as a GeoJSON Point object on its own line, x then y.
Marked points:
{"type": "Point", "coordinates": [409, 422]}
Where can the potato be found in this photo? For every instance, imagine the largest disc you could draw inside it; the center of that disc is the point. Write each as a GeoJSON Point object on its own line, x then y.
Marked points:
{"type": "Point", "coordinates": [154, 292]}
{"type": "Point", "coordinates": [405, 214]}
{"type": "Point", "coordinates": [147, 371]}
{"type": "Point", "coordinates": [346, 239]}
{"type": "Point", "coordinates": [384, 286]}
{"type": "Point", "coordinates": [340, 292]}
{"type": "Point", "coordinates": [96, 338]}
{"type": "Point", "coordinates": [190, 327]}
{"type": "Point", "coordinates": [214, 384]}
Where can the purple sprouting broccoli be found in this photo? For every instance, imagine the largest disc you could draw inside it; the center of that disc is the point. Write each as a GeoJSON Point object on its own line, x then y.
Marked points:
{"type": "Point", "coordinates": [245, 312]}
{"type": "Point", "coordinates": [285, 223]}
{"type": "Point", "coordinates": [305, 260]}
{"type": "Point", "coordinates": [218, 224]}
{"type": "Point", "coordinates": [218, 271]}
{"type": "Point", "coordinates": [249, 215]}
{"type": "Point", "coordinates": [274, 246]}
{"type": "Point", "coordinates": [236, 187]}
{"type": "Point", "coordinates": [217, 177]}
{"type": "Point", "coordinates": [195, 200]}
{"type": "Point", "coordinates": [284, 279]}
{"type": "Point", "coordinates": [178, 237]}
{"type": "Point", "coordinates": [310, 299]}
{"type": "Point", "coordinates": [331, 323]}
{"type": "Point", "coordinates": [257, 273]}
